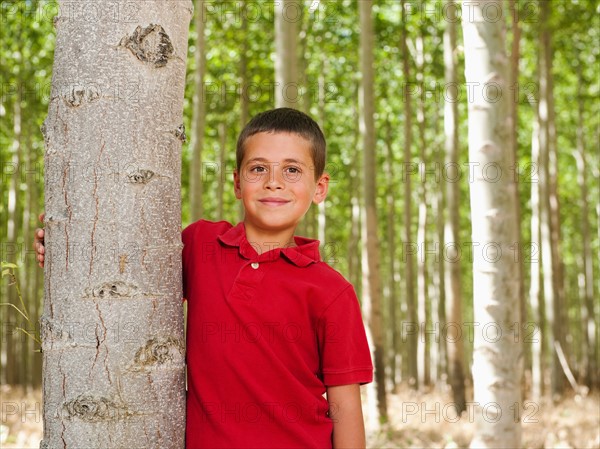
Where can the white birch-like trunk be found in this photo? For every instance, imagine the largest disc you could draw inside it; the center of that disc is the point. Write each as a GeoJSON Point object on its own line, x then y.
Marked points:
{"type": "Point", "coordinates": [371, 286]}
{"type": "Point", "coordinates": [535, 298]}
{"type": "Point", "coordinates": [112, 326]}
{"type": "Point", "coordinates": [423, 363]}
{"type": "Point", "coordinates": [287, 16]}
{"type": "Point", "coordinates": [495, 273]}
{"type": "Point", "coordinates": [199, 117]}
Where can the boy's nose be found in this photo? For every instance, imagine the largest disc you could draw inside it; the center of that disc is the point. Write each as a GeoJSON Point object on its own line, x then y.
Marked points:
{"type": "Point", "coordinates": [274, 181]}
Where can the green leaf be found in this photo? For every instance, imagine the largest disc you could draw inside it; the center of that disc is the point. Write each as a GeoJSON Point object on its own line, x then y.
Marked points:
{"type": "Point", "coordinates": [8, 265]}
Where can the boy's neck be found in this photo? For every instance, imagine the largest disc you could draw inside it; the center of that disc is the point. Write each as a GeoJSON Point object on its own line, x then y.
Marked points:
{"type": "Point", "coordinates": [263, 241]}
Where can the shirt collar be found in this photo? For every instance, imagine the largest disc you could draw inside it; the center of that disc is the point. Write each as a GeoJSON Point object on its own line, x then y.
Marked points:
{"type": "Point", "coordinates": [303, 254]}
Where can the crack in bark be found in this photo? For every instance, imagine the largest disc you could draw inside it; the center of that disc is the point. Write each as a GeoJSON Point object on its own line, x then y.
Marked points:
{"type": "Point", "coordinates": [64, 391]}
{"type": "Point", "coordinates": [95, 195]}
{"type": "Point", "coordinates": [69, 211]}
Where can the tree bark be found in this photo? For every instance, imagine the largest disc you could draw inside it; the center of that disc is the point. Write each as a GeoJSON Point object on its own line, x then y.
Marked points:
{"type": "Point", "coordinates": [560, 305]}
{"type": "Point", "coordinates": [371, 292]}
{"type": "Point", "coordinates": [287, 16]}
{"type": "Point", "coordinates": [495, 274]}
{"type": "Point", "coordinates": [535, 298]}
{"type": "Point", "coordinates": [590, 354]}
{"type": "Point", "coordinates": [454, 318]}
{"type": "Point", "coordinates": [199, 117]}
{"type": "Point", "coordinates": [409, 329]}
{"type": "Point", "coordinates": [392, 283]}
{"type": "Point", "coordinates": [221, 169]}
{"type": "Point", "coordinates": [548, 248]}
{"type": "Point", "coordinates": [423, 345]}
{"type": "Point", "coordinates": [112, 327]}
{"type": "Point", "coordinates": [514, 167]}
{"type": "Point", "coordinates": [14, 339]}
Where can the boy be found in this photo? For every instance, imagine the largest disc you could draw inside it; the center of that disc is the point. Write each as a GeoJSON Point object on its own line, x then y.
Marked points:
{"type": "Point", "coordinates": [271, 328]}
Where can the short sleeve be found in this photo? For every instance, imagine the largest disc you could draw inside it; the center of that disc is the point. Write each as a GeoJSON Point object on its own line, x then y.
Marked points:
{"type": "Point", "coordinates": [345, 354]}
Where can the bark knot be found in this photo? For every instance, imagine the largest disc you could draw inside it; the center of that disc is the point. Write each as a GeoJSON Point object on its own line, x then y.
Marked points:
{"type": "Point", "coordinates": [151, 44]}
{"type": "Point", "coordinates": [91, 408]}
{"type": "Point", "coordinates": [76, 95]}
{"type": "Point", "coordinates": [115, 289]}
{"type": "Point", "coordinates": [159, 351]}
{"type": "Point", "coordinates": [179, 132]}
{"type": "Point", "coordinates": [140, 176]}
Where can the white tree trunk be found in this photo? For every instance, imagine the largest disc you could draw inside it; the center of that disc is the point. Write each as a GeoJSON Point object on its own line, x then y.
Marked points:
{"type": "Point", "coordinates": [371, 286]}
{"type": "Point", "coordinates": [287, 16]}
{"type": "Point", "coordinates": [112, 326]}
{"type": "Point", "coordinates": [495, 273]}
{"type": "Point", "coordinates": [199, 117]}
{"type": "Point", "coordinates": [535, 298]}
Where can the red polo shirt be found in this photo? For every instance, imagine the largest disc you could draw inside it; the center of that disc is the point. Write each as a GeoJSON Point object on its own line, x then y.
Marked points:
{"type": "Point", "coordinates": [266, 334]}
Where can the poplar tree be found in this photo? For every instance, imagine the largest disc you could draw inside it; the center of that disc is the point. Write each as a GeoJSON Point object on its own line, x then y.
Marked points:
{"type": "Point", "coordinates": [112, 327]}
{"type": "Point", "coordinates": [496, 354]}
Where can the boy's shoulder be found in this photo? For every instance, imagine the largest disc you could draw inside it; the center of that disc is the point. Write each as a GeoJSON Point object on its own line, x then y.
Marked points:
{"type": "Point", "coordinates": [204, 229]}
{"type": "Point", "coordinates": [327, 278]}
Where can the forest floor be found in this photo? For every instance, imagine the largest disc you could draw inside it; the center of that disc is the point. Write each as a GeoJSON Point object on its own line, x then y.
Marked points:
{"type": "Point", "coordinates": [418, 420]}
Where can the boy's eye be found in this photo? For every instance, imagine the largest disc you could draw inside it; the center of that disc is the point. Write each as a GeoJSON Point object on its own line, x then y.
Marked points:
{"type": "Point", "coordinates": [293, 170]}
{"type": "Point", "coordinates": [258, 169]}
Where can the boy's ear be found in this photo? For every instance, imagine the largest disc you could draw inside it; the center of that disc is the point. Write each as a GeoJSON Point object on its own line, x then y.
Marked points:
{"type": "Point", "coordinates": [236, 185]}
{"type": "Point", "coordinates": [322, 188]}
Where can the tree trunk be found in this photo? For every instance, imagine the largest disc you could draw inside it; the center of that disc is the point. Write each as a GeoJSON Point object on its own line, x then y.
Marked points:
{"type": "Point", "coordinates": [322, 212]}
{"type": "Point", "coordinates": [548, 249]}
{"type": "Point", "coordinates": [535, 298]}
{"type": "Point", "coordinates": [221, 169]}
{"type": "Point", "coordinates": [287, 16]}
{"type": "Point", "coordinates": [244, 99]}
{"type": "Point", "coordinates": [392, 327]}
{"type": "Point", "coordinates": [454, 318]}
{"type": "Point", "coordinates": [590, 355]}
{"type": "Point", "coordinates": [495, 274]}
{"type": "Point", "coordinates": [199, 117]}
{"type": "Point", "coordinates": [422, 299]}
{"type": "Point", "coordinates": [354, 248]}
{"type": "Point", "coordinates": [14, 338]}
{"type": "Point", "coordinates": [409, 329]}
{"type": "Point", "coordinates": [514, 168]}
{"type": "Point", "coordinates": [371, 292]}
{"type": "Point", "coordinates": [112, 327]}
{"type": "Point", "coordinates": [561, 318]}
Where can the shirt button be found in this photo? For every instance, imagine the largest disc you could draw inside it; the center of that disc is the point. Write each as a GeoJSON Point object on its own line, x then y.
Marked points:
{"type": "Point", "coordinates": [254, 265]}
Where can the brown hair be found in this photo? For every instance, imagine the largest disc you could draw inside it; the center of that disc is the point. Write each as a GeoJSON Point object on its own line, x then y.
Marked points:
{"type": "Point", "coordinates": [286, 120]}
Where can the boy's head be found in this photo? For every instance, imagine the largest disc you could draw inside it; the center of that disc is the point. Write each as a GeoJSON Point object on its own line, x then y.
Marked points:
{"type": "Point", "coordinates": [286, 120]}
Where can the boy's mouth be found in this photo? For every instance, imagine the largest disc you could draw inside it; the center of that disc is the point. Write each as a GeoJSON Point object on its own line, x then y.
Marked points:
{"type": "Point", "coordinates": [274, 201]}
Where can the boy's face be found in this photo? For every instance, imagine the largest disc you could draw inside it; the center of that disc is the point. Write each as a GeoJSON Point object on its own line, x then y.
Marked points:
{"type": "Point", "coordinates": [276, 181]}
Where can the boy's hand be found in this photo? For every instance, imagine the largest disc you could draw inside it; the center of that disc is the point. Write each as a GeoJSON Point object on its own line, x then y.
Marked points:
{"type": "Point", "coordinates": [38, 242]}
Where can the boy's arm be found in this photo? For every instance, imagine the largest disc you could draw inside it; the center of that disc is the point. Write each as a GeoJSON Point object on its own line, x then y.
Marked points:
{"type": "Point", "coordinates": [345, 410]}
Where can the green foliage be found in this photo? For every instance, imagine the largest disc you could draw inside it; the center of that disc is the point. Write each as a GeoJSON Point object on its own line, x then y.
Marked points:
{"type": "Point", "coordinates": [329, 43]}
{"type": "Point", "coordinates": [9, 274]}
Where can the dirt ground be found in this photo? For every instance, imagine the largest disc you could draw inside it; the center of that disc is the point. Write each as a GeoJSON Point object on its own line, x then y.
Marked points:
{"type": "Point", "coordinates": [418, 420]}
